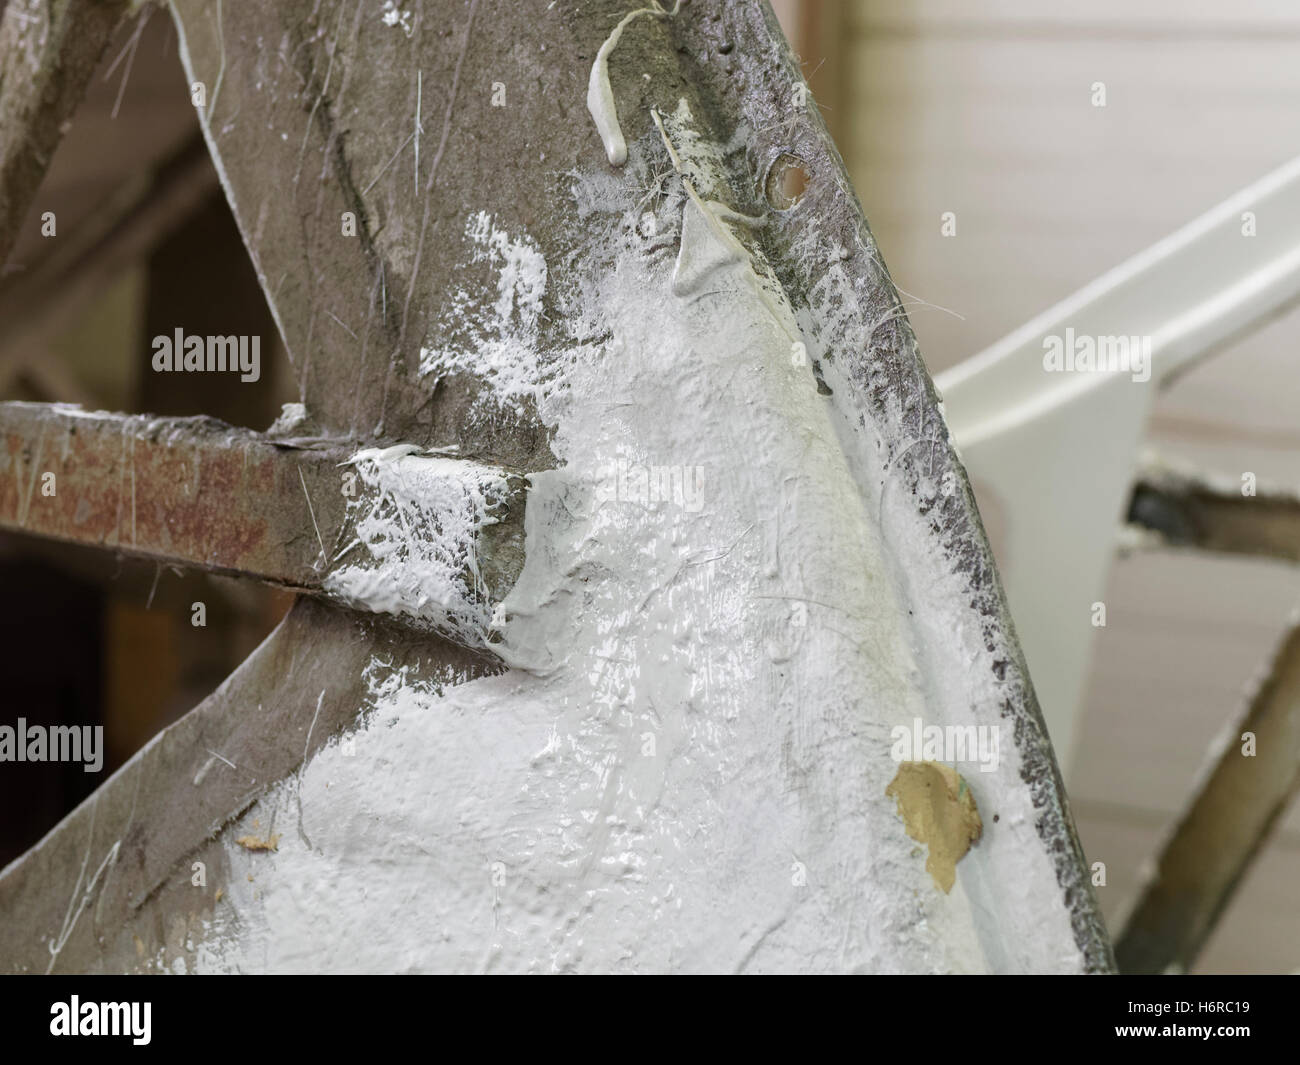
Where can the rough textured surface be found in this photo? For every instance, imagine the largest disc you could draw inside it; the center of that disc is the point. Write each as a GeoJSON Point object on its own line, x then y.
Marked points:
{"type": "Point", "coordinates": [111, 888]}
{"type": "Point", "coordinates": [684, 768]}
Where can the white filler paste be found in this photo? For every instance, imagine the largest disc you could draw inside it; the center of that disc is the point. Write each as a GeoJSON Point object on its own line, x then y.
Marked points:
{"type": "Point", "coordinates": [685, 767]}
{"type": "Point", "coordinates": [418, 519]}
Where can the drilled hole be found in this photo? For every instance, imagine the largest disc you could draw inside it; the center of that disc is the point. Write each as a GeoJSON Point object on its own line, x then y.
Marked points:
{"type": "Point", "coordinates": [787, 180]}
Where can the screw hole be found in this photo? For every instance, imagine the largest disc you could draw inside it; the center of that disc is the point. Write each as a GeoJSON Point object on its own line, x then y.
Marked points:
{"type": "Point", "coordinates": [788, 179]}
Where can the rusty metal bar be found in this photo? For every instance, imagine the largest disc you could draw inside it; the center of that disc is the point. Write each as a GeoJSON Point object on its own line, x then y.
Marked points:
{"type": "Point", "coordinates": [1256, 771]}
{"type": "Point", "coordinates": [200, 493]}
{"type": "Point", "coordinates": [191, 491]}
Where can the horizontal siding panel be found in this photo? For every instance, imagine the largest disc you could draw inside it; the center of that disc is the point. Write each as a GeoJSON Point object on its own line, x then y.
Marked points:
{"type": "Point", "coordinates": [1242, 18]}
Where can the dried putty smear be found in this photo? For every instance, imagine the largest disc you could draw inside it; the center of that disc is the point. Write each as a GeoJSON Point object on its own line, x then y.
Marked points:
{"type": "Point", "coordinates": [937, 808]}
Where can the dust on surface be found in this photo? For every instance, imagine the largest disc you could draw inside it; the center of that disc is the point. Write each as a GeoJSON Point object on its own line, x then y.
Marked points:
{"type": "Point", "coordinates": [938, 809]}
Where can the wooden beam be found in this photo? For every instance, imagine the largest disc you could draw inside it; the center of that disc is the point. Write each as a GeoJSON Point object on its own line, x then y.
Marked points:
{"type": "Point", "coordinates": [41, 302]}
{"type": "Point", "coordinates": [1212, 514]}
{"type": "Point", "coordinates": [48, 53]}
{"type": "Point", "coordinates": [1255, 772]}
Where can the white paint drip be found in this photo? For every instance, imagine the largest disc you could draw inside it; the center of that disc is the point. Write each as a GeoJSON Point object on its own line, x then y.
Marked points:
{"type": "Point", "coordinates": [685, 768]}
{"type": "Point", "coordinates": [600, 93]}
{"type": "Point", "coordinates": [418, 518]}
